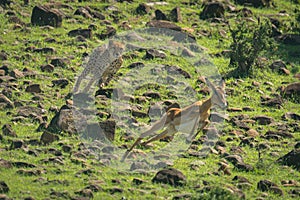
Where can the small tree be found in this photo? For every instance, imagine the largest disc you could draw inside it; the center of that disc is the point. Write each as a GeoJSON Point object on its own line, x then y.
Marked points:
{"type": "Point", "coordinates": [249, 40]}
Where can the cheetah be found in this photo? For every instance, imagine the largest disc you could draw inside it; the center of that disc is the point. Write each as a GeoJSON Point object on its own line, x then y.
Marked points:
{"type": "Point", "coordinates": [104, 61]}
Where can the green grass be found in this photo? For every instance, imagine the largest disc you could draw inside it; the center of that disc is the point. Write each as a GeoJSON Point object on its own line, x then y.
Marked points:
{"type": "Point", "coordinates": [65, 177]}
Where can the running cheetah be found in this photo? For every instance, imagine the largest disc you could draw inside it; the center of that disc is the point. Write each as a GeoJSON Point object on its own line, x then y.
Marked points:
{"type": "Point", "coordinates": [104, 61]}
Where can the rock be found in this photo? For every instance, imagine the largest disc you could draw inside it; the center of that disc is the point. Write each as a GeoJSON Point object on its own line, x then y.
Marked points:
{"type": "Point", "coordinates": [290, 39]}
{"type": "Point", "coordinates": [240, 124]}
{"type": "Point", "coordinates": [47, 68]}
{"type": "Point", "coordinates": [267, 185]}
{"type": "Point", "coordinates": [175, 70]}
{"type": "Point", "coordinates": [47, 138]}
{"type": "Point", "coordinates": [163, 24]}
{"type": "Point", "coordinates": [59, 195]}
{"type": "Point", "coordinates": [170, 176]}
{"type": "Point", "coordinates": [33, 88]}
{"type": "Point", "coordinates": [7, 79]}
{"type": "Point", "coordinates": [62, 121]}
{"type": "Point", "coordinates": [44, 50]}
{"type": "Point", "coordinates": [139, 166]}
{"type": "Point", "coordinates": [86, 33]}
{"type": "Point", "coordinates": [85, 193]}
{"type": "Point", "coordinates": [234, 109]}
{"type": "Point", "coordinates": [43, 15]}
{"type": "Point", "coordinates": [3, 56]}
{"type": "Point", "coordinates": [3, 196]}
{"type": "Point", "coordinates": [291, 159]}
{"type": "Point", "coordinates": [182, 196]}
{"type": "Point", "coordinates": [7, 103]}
{"type": "Point", "coordinates": [159, 15]}
{"type": "Point", "coordinates": [138, 113]}
{"type": "Point", "coordinates": [284, 71]}
{"type": "Point", "coordinates": [138, 181]}
{"type": "Point", "coordinates": [8, 131]}
{"type": "Point", "coordinates": [83, 12]}
{"type": "Point", "coordinates": [29, 73]}
{"type": "Point", "coordinates": [240, 179]}
{"type": "Point", "coordinates": [275, 102]}
{"type": "Point", "coordinates": [108, 127]}
{"type": "Point", "coordinates": [295, 193]}
{"type": "Point", "coordinates": [30, 112]}
{"type": "Point", "coordinates": [263, 120]}
{"type": "Point", "coordinates": [175, 15]}
{"type": "Point", "coordinates": [62, 83]}
{"type": "Point", "coordinates": [277, 135]}
{"type": "Point", "coordinates": [291, 91]}
{"type": "Point", "coordinates": [5, 3]}
{"type": "Point", "coordinates": [94, 187]}
{"type": "Point", "coordinates": [5, 164]}
{"type": "Point", "coordinates": [17, 144]}
{"type": "Point", "coordinates": [291, 115]}
{"type": "Point", "coordinates": [115, 190]}
{"type": "Point", "coordinates": [66, 148]}
{"type": "Point", "coordinates": [16, 74]}
{"type": "Point", "coordinates": [276, 65]}
{"type": "Point", "coordinates": [107, 33]}
{"type": "Point", "coordinates": [244, 167]}
{"type": "Point", "coordinates": [154, 95]}
{"type": "Point", "coordinates": [59, 62]}
{"type": "Point", "coordinates": [3, 187]}
{"type": "Point", "coordinates": [255, 3]}
{"type": "Point", "coordinates": [29, 172]}
{"type": "Point", "coordinates": [238, 162]}
{"type": "Point", "coordinates": [252, 133]}
{"type": "Point", "coordinates": [142, 9]}
{"type": "Point", "coordinates": [212, 10]}
{"type": "Point", "coordinates": [153, 53]}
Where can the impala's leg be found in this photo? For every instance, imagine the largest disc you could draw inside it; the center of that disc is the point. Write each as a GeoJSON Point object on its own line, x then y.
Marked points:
{"type": "Point", "coordinates": [190, 139]}
{"type": "Point", "coordinates": [169, 131]}
{"type": "Point", "coordinates": [192, 135]}
{"type": "Point", "coordinates": [130, 149]}
{"type": "Point", "coordinates": [156, 126]}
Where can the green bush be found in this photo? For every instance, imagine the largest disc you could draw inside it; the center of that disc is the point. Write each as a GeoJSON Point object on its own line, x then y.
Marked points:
{"type": "Point", "coordinates": [249, 40]}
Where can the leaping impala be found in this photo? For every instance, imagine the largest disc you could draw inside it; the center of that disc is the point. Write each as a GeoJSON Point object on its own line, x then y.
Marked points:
{"type": "Point", "coordinates": [175, 118]}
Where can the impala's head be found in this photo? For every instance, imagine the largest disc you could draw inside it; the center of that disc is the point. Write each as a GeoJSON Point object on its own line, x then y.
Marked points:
{"type": "Point", "coordinates": [218, 93]}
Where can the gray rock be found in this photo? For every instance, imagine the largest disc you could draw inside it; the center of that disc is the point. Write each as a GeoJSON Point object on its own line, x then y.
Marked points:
{"type": "Point", "coordinates": [43, 15]}
{"type": "Point", "coordinates": [8, 131]}
{"type": "Point", "coordinates": [170, 176]}
{"type": "Point", "coordinates": [3, 187]}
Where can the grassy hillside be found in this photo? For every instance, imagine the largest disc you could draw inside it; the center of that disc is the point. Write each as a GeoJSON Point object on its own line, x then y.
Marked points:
{"type": "Point", "coordinates": [63, 169]}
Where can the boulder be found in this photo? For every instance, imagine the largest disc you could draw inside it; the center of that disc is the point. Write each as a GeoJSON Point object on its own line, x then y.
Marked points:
{"type": "Point", "coordinates": [213, 10]}
{"type": "Point", "coordinates": [170, 176]}
{"type": "Point", "coordinates": [175, 15]}
{"type": "Point", "coordinates": [291, 91]}
{"type": "Point", "coordinates": [291, 159]}
{"type": "Point", "coordinates": [43, 16]}
{"type": "Point", "coordinates": [255, 3]}
{"type": "Point", "coordinates": [86, 33]}
{"type": "Point", "coordinates": [142, 9]}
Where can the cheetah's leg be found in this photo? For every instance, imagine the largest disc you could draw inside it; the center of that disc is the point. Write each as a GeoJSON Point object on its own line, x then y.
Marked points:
{"type": "Point", "coordinates": [78, 81]}
{"type": "Point", "coordinates": [90, 83]}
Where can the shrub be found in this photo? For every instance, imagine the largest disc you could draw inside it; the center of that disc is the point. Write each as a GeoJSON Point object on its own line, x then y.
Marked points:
{"type": "Point", "coordinates": [249, 41]}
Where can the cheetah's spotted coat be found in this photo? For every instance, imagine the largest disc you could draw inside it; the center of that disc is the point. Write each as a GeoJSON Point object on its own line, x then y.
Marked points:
{"type": "Point", "coordinates": [102, 64]}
